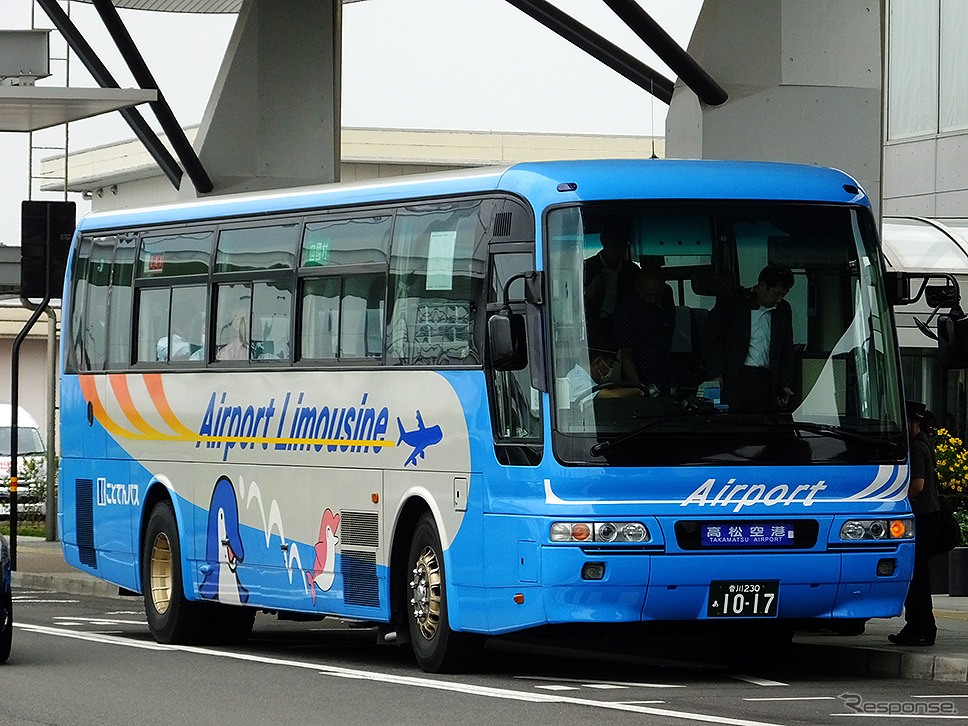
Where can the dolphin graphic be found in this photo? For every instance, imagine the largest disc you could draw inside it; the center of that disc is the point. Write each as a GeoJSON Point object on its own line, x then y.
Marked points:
{"type": "Point", "coordinates": [324, 571]}
{"type": "Point", "coordinates": [223, 547]}
{"type": "Point", "coordinates": [420, 438]}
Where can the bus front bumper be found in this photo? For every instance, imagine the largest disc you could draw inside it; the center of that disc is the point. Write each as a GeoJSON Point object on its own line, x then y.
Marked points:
{"type": "Point", "coordinates": [663, 586]}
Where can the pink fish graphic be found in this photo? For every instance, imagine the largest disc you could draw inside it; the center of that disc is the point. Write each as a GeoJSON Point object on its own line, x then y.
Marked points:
{"type": "Point", "coordinates": [324, 571]}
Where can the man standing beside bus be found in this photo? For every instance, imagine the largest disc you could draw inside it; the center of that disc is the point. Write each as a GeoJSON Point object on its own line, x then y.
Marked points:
{"type": "Point", "coordinates": [919, 625]}
{"type": "Point", "coordinates": [749, 344]}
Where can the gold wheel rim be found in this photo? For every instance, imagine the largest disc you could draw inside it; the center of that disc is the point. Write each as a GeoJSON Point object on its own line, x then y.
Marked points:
{"type": "Point", "coordinates": [426, 591]}
{"type": "Point", "coordinates": [161, 573]}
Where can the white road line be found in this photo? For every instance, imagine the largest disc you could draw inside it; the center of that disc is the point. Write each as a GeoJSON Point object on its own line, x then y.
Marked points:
{"type": "Point", "coordinates": [583, 681]}
{"type": "Point", "coordinates": [794, 698]}
{"type": "Point", "coordinates": [955, 695]}
{"type": "Point", "coordinates": [412, 681]}
{"type": "Point", "coordinates": [757, 681]}
{"type": "Point", "coordinates": [63, 619]}
{"type": "Point", "coordinates": [902, 715]}
{"type": "Point", "coordinates": [42, 601]}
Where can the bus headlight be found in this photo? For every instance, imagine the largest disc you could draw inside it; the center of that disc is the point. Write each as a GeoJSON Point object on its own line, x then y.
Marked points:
{"type": "Point", "coordinates": [877, 529]}
{"type": "Point", "coordinates": [624, 532]}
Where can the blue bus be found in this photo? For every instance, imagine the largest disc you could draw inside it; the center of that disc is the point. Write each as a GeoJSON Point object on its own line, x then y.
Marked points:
{"type": "Point", "coordinates": [468, 404]}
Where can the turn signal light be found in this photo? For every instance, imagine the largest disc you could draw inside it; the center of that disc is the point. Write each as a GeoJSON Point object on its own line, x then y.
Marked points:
{"type": "Point", "coordinates": [877, 529]}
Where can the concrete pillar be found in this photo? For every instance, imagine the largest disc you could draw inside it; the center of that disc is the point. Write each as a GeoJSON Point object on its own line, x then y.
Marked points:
{"type": "Point", "coordinates": [804, 84]}
{"type": "Point", "coordinates": [273, 120]}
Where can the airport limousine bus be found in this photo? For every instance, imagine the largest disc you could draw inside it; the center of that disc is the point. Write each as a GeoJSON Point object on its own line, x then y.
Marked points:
{"type": "Point", "coordinates": [367, 401]}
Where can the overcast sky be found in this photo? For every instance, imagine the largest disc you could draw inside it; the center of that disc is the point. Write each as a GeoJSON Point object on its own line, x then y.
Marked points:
{"type": "Point", "coordinates": [478, 65]}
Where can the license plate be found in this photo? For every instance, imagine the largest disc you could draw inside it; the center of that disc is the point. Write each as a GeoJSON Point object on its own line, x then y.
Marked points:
{"type": "Point", "coordinates": [757, 599]}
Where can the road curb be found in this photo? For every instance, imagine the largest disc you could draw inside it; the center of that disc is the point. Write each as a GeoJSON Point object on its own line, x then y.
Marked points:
{"type": "Point", "coordinates": [883, 663]}
{"type": "Point", "coordinates": [72, 584]}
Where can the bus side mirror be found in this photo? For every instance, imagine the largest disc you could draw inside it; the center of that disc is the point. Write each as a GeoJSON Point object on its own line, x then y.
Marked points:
{"type": "Point", "coordinates": [953, 340]}
{"type": "Point", "coordinates": [507, 341]}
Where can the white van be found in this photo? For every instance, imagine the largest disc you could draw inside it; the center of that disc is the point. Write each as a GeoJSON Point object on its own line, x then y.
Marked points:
{"type": "Point", "coordinates": [30, 452]}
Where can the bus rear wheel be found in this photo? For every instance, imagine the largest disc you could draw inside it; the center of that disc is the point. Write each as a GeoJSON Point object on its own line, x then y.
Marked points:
{"type": "Point", "coordinates": [172, 618]}
{"type": "Point", "coordinates": [437, 648]}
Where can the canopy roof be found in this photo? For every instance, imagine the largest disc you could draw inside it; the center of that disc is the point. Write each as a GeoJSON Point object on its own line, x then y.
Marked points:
{"type": "Point", "coordinates": [921, 244]}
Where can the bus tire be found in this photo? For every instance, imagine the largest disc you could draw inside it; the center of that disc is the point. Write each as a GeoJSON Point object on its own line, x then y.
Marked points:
{"type": "Point", "coordinates": [437, 648]}
{"type": "Point", "coordinates": [6, 634]}
{"type": "Point", "coordinates": [172, 618]}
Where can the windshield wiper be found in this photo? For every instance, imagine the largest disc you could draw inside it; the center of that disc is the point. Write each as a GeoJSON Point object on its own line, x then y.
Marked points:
{"type": "Point", "coordinates": [837, 433]}
{"type": "Point", "coordinates": [688, 409]}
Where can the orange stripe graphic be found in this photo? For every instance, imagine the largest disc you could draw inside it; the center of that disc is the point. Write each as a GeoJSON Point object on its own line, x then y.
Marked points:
{"type": "Point", "coordinates": [119, 383]}
{"type": "Point", "coordinates": [157, 392]}
{"type": "Point", "coordinates": [89, 389]}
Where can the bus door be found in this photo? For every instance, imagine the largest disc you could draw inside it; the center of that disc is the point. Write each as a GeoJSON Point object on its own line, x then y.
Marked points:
{"type": "Point", "coordinates": [515, 394]}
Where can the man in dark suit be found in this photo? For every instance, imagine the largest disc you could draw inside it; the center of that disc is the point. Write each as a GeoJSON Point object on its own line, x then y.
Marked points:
{"type": "Point", "coordinates": [609, 279]}
{"type": "Point", "coordinates": [749, 344]}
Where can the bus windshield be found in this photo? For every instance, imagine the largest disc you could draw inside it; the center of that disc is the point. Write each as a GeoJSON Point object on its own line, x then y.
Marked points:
{"type": "Point", "coordinates": [711, 332]}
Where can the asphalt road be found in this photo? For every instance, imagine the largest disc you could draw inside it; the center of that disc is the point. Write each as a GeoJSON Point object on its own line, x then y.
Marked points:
{"type": "Point", "coordinates": [83, 660]}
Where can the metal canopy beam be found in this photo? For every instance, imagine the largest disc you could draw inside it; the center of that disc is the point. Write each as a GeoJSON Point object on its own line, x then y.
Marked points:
{"type": "Point", "coordinates": [145, 79]}
{"type": "Point", "coordinates": [598, 47]}
{"type": "Point", "coordinates": [31, 108]}
{"type": "Point", "coordinates": [96, 68]}
{"type": "Point", "coordinates": [682, 64]}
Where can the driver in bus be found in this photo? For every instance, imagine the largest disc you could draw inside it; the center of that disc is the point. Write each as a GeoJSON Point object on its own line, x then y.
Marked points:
{"type": "Point", "coordinates": [600, 367]}
{"type": "Point", "coordinates": [644, 326]}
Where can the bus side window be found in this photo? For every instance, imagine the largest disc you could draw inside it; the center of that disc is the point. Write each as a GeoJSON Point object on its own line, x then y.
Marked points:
{"type": "Point", "coordinates": [171, 294]}
{"type": "Point", "coordinates": [120, 303]}
{"type": "Point", "coordinates": [436, 278]}
{"type": "Point", "coordinates": [343, 264]}
{"type": "Point", "coordinates": [171, 324]}
{"type": "Point", "coordinates": [93, 313]}
{"type": "Point", "coordinates": [233, 340]}
{"type": "Point", "coordinates": [99, 281]}
{"type": "Point", "coordinates": [76, 360]}
{"type": "Point", "coordinates": [271, 306]}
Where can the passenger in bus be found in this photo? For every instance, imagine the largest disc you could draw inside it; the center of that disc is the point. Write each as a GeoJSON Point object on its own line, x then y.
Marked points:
{"type": "Point", "coordinates": [919, 623]}
{"type": "Point", "coordinates": [748, 346]}
{"type": "Point", "coordinates": [184, 343]}
{"type": "Point", "coordinates": [609, 279]}
{"type": "Point", "coordinates": [643, 326]}
{"type": "Point", "coordinates": [238, 331]}
{"type": "Point", "coordinates": [599, 367]}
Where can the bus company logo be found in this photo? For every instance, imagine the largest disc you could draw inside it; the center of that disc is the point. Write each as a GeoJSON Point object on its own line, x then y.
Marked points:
{"type": "Point", "coordinates": [108, 493]}
{"type": "Point", "coordinates": [294, 424]}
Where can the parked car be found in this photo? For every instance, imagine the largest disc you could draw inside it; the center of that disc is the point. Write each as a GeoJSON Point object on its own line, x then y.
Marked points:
{"type": "Point", "coordinates": [6, 601]}
{"type": "Point", "coordinates": [31, 465]}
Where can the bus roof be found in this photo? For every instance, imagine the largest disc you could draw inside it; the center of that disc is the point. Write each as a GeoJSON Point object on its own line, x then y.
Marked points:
{"type": "Point", "coordinates": [542, 183]}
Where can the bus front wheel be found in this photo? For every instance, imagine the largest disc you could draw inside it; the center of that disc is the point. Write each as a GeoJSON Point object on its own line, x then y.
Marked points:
{"type": "Point", "coordinates": [437, 648]}
{"type": "Point", "coordinates": [172, 618]}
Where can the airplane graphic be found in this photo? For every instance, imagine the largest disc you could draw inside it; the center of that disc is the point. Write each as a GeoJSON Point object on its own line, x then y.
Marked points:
{"type": "Point", "coordinates": [420, 438]}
